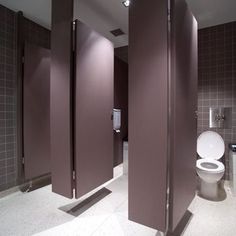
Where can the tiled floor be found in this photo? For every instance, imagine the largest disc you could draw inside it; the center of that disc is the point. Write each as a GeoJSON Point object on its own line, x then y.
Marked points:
{"type": "Point", "coordinates": [213, 218]}
{"type": "Point", "coordinates": [38, 213]}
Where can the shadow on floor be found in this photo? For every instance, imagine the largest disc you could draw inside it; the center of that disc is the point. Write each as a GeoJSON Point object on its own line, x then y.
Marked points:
{"type": "Point", "coordinates": [182, 224]}
{"type": "Point", "coordinates": [77, 209]}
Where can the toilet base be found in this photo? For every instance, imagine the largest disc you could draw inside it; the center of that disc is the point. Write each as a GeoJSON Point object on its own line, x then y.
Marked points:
{"type": "Point", "coordinates": [209, 190]}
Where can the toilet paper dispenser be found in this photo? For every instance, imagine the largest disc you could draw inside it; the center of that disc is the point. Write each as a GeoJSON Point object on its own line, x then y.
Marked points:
{"type": "Point", "coordinates": [220, 117]}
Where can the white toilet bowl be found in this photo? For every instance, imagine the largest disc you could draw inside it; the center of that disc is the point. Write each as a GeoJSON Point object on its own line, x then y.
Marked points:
{"type": "Point", "coordinates": [210, 171]}
{"type": "Point", "coordinates": [210, 147]}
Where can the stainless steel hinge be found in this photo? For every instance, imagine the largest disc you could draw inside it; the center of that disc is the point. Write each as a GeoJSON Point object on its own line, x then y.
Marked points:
{"type": "Point", "coordinates": [73, 35]}
{"type": "Point", "coordinates": [73, 175]}
{"type": "Point", "coordinates": [74, 23]}
{"type": "Point", "coordinates": [23, 160]}
{"type": "Point", "coordinates": [23, 60]}
{"type": "Point", "coordinates": [169, 15]}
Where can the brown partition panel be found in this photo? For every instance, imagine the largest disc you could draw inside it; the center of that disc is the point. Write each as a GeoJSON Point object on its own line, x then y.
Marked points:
{"type": "Point", "coordinates": [36, 111]}
{"type": "Point", "coordinates": [148, 113]}
{"type": "Point", "coordinates": [184, 106]}
{"type": "Point", "coordinates": [61, 96]}
{"type": "Point", "coordinates": [93, 109]}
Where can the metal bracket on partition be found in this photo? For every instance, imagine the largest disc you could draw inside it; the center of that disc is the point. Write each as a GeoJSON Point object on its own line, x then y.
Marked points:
{"type": "Point", "coordinates": [73, 175]}
{"type": "Point", "coordinates": [73, 35]}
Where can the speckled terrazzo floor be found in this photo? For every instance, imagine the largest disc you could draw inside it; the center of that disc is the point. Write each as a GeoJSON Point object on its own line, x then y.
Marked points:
{"type": "Point", "coordinates": [38, 213]}
{"type": "Point", "coordinates": [213, 218]}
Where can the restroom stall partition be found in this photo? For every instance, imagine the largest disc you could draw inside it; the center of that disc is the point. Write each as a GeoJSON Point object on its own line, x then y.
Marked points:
{"type": "Point", "coordinates": [61, 98]}
{"type": "Point", "coordinates": [162, 105]}
{"type": "Point", "coordinates": [81, 105]}
{"type": "Point", "coordinates": [94, 92]}
{"type": "Point", "coordinates": [33, 88]}
{"type": "Point", "coordinates": [148, 112]}
{"type": "Point", "coordinates": [183, 127]}
{"type": "Point", "coordinates": [36, 111]}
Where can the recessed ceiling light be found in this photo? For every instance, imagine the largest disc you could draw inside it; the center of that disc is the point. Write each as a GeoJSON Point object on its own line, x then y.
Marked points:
{"type": "Point", "coordinates": [126, 3]}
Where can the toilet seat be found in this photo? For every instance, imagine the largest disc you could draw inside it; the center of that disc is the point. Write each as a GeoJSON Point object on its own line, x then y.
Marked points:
{"type": "Point", "coordinates": [210, 145]}
{"type": "Point", "coordinates": [211, 166]}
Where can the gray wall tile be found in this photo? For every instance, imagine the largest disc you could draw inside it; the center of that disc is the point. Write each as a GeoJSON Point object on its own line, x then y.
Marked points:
{"type": "Point", "coordinates": [217, 78]}
{"type": "Point", "coordinates": [8, 167]}
{"type": "Point", "coordinates": [32, 33]}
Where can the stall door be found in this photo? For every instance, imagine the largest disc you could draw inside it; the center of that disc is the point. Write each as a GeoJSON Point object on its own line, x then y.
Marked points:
{"type": "Point", "coordinates": [36, 109]}
{"type": "Point", "coordinates": [93, 110]}
{"type": "Point", "coordinates": [148, 112]}
{"type": "Point", "coordinates": [184, 107]}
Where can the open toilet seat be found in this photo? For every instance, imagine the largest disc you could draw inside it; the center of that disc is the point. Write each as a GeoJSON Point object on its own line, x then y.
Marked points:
{"type": "Point", "coordinates": [210, 148]}
{"type": "Point", "coordinates": [211, 166]}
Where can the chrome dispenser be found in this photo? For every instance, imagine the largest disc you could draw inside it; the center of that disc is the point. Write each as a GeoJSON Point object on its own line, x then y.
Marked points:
{"type": "Point", "coordinates": [220, 117]}
{"type": "Point", "coordinates": [116, 120]}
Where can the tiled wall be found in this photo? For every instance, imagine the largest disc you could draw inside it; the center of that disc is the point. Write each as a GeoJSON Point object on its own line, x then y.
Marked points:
{"type": "Point", "coordinates": [32, 33]}
{"type": "Point", "coordinates": [217, 78]}
{"type": "Point", "coordinates": [8, 162]}
{"type": "Point", "coordinates": [36, 34]}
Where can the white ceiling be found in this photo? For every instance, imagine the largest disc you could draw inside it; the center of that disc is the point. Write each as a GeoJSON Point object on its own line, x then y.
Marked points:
{"type": "Point", "coordinates": [104, 16]}
{"type": "Point", "coordinates": [213, 12]}
{"type": "Point", "coordinates": [107, 15]}
{"type": "Point", "coordinates": [37, 10]}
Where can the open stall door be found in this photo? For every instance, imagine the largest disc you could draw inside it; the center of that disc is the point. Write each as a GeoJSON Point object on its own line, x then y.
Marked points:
{"type": "Point", "coordinates": [81, 105]}
{"type": "Point", "coordinates": [36, 111]}
{"type": "Point", "coordinates": [184, 107]}
{"type": "Point", "coordinates": [93, 109]}
{"type": "Point", "coordinates": [148, 112]}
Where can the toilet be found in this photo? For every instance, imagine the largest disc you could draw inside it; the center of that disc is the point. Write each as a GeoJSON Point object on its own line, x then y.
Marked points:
{"type": "Point", "coordinates": [210, 148]}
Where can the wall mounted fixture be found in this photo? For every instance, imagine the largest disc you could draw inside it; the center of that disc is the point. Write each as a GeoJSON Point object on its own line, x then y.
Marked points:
{"type": "Point", "coordinates": [126, 3]}
{"type": "Point", "coordinates": [116, 120]}
{"type": "Point", "coordinates": [220, 117]}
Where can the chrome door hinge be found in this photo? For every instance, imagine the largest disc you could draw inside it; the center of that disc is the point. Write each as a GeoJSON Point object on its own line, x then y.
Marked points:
{"type": "Point", "coordinates": [73, 35]}
{"type": "Point", "coordinates": [73, 175]}
{"type": "Point", "coordinates": [74, 24]}
{"type": "Point", "coordinates": [169, 15]}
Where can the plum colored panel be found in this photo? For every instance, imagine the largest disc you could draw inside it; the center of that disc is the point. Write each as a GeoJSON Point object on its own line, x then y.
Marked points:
{"type": "Point", "coordinates": [61, 96]}
{"type": "Point", "coordinates": [184, 106]}
{"type": "Point", "coordinates": [93, 109]}
{"type": "Point", "coordinates": [36, 113]}
{"type": "Point", "coordinates": [148, 113]}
